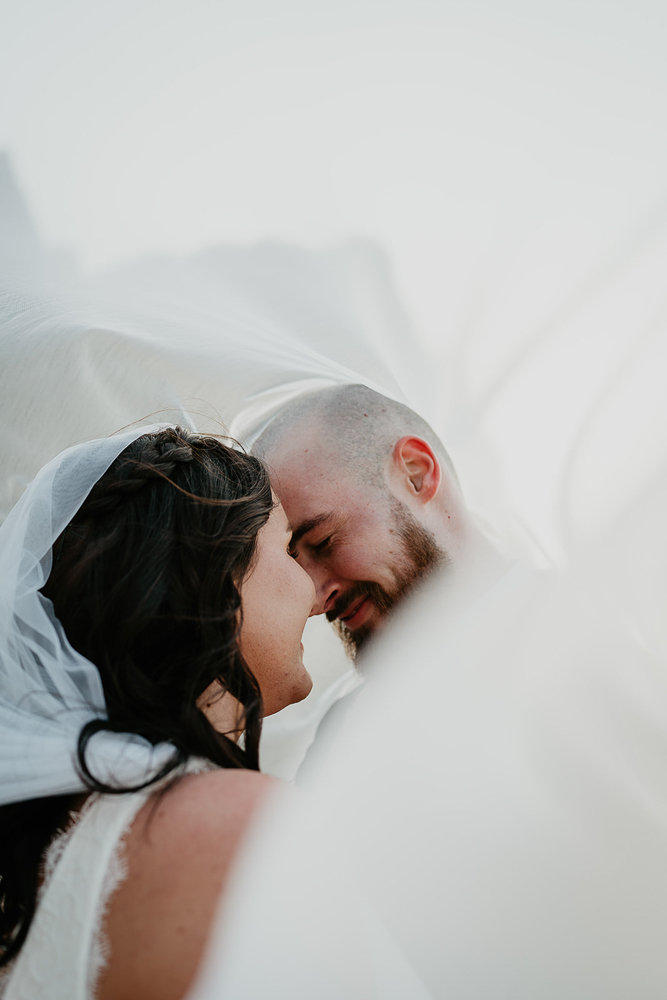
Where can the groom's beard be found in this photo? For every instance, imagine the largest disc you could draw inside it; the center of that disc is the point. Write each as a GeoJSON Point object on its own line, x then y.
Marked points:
{"type": "Point", "coordinates": [420, 555]}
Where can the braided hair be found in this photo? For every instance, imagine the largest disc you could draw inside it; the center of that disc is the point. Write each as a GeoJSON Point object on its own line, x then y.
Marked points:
{"type": "Point", "coordinates": [145, 581]}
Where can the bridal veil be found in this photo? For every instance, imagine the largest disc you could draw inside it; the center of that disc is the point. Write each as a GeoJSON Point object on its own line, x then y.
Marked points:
{"type": "Point", "coordinates": [49, 691]}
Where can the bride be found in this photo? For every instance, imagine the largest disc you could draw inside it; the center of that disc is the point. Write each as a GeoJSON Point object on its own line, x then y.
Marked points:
{"type": "Point", "coordinates": [151, 616]}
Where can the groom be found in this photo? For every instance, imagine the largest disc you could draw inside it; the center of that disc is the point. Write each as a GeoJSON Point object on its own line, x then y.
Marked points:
{"type": "Point", "coordinates": [373, 500]}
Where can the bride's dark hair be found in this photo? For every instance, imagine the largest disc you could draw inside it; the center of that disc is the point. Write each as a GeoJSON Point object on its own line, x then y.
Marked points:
{"type": "Point", "coordinates": [145, 581]}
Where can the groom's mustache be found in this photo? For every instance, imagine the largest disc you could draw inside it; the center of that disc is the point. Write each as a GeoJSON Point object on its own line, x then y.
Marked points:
{"type": "Point", "coordinates": [354, 597]}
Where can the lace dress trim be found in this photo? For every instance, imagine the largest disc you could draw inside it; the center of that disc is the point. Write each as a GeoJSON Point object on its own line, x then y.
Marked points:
{"type": "Point", "coordinates": [116, 873]}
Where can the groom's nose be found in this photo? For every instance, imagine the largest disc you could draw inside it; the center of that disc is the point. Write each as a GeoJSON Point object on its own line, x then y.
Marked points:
{"type": "Point", "coordinates": [327, 589]}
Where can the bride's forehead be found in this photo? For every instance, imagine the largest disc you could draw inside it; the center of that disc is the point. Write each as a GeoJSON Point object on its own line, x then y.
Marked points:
{"type": "Point", "coordinates": [278, 519]}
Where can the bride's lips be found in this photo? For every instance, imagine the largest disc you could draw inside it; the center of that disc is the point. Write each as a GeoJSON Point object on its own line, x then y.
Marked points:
{"type": "Point", "coordinates": [358, 614]}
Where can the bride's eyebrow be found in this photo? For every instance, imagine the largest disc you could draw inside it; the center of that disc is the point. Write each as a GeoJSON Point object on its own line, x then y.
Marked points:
{"type": "Point", "coordinates": [309, 525]}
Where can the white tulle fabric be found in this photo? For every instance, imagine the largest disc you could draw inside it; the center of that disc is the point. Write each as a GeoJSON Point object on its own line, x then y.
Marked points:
{"type": "Point", "coordinates": [495, 806]}
{"type": "Point", "coordinates": [48, 691]}
{"type": "Point", "coordinates": [220, 341]}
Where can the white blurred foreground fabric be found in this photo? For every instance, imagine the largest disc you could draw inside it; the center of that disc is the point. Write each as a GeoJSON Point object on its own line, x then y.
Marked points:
{"type": "Point", "coordinates": [494, 809]}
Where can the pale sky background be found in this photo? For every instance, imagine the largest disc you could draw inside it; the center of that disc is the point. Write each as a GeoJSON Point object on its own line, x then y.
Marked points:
{"type": "Point", "coordinates": [454, 133]}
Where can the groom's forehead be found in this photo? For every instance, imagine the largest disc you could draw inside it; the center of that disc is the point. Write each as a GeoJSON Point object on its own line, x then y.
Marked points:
{"type": "Point", "coordinates": [315, 493]}
{"type": "Point", "coordinates": [313, 477]}
{"type": "Point", "coordinates": [307, 464]}
{"type": "Point", "coordinates": [316, 498]}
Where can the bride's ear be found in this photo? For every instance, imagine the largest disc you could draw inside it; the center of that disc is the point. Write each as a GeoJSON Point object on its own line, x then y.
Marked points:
{"type": "Point", "coordinates": [417, 467]}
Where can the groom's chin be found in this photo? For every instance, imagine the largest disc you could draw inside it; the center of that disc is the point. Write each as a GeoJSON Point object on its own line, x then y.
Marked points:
{"type": "Point", "coordinates": [354, 642]}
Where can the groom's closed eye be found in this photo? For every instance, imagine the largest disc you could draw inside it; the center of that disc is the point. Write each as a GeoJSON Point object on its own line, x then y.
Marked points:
{"type": "Point", "coordinates": [306, 527]}
{"type": "Point", "coordinates": [319, 547]}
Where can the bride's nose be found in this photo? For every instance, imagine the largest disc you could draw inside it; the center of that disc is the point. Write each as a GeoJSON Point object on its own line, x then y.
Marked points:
{"type": "Point", "coordinates": [310, 591]}
{"type": "Point", "coordinates": [318, 604]}
{"type": "Point", "coordinates": [327, 590]}
{"type": "Point", "coordinates": [315, 602]}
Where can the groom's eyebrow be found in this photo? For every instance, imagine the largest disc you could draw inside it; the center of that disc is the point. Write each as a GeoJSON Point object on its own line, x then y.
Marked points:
{"type": "Point", "coordinates": [309, 525]}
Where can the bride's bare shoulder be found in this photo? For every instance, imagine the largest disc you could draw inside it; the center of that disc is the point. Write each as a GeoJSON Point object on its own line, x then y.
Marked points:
{"type": "Point", "coordinates": [179, 851]}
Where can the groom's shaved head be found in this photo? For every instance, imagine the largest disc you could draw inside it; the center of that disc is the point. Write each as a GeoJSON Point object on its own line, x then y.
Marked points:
{"type": "Point", "coordinates": [354, 419]}
{"type": "Point", "coordinates": [371, 495]}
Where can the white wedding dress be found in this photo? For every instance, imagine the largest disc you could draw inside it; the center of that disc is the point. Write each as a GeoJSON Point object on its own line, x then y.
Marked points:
{"type": "Point", "coordinates": [66, 949]}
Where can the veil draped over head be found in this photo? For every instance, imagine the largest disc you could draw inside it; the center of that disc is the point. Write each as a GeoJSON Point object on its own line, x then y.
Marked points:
{"type": "Point", "coordinates": [48, 691]}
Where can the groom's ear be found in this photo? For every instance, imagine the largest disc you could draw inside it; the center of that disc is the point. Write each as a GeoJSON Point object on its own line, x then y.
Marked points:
{"type": "Point", "coordinates": [417, 467]}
